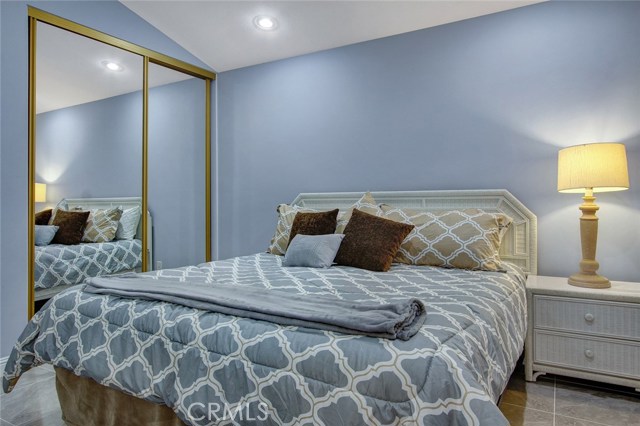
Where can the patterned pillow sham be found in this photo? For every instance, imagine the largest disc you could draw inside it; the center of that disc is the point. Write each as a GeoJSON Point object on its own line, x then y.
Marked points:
{"type": "Point", "coordinates": [463, 239]}
{"type": "Point", "coordinates": [102, 225]}
{"type": "Point", "coordinates": [365, 204]}
{"type": "Point", "coordinates": [287, 214]}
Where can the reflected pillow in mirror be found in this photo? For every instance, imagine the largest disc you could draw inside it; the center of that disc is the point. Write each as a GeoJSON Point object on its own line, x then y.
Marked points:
{"type": "Point", "coordinates": [313, 251]}
{"type": "Point", "coordinates": [71, 225]}
{"type": "Point", "coordinates": [128, 225]}
{"type": "Point", "coordinates": [102, 225]}
{"type": "Point", "coordinates": [45, 233]}
{"type": "Point", "coordinates": [43, 217]}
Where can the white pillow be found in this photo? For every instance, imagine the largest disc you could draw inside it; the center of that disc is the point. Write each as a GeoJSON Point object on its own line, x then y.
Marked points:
{"type": "Point", "coordinates": [128, 224]}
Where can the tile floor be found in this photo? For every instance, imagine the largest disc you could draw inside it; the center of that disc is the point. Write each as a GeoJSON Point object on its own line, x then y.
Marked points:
{"type": "Point", "coordinates": [562, 401]}
{"type": "Point", "coordinates": [33, 402]}
{"type": "Point", "coordinates": [551, 401]}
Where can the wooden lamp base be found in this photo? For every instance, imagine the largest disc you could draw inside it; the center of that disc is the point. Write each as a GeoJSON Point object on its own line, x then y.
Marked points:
{"type": "Point", "coordinates": [588, 277]}
{"type": "Point", "coordinates": [589, 281]}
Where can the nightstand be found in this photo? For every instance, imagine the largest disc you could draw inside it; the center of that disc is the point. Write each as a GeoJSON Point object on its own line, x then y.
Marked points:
{"type": "Point", "coordinates": [580, 332]}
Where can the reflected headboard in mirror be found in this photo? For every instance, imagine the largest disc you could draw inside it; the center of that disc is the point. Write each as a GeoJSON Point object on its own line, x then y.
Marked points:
{"type": "Point", "coordinates": [519, 244]}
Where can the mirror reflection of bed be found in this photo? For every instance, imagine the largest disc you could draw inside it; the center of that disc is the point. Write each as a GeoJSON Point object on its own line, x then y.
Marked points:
{"type": "Point", "coordinates": [89, 160]}
{"type": "Point", "coordinates": [87, 151]}
{"type": "Point", "coordinates": [60, 266]}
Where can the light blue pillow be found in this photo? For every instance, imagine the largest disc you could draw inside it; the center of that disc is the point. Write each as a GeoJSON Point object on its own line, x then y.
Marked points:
{"type": "Point", "coordinates": [314, 251]}
{"type": "Point", "coordinates": [45, 233]}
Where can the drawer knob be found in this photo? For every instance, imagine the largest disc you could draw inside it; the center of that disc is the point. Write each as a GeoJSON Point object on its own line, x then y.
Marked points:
{"type": "Point", "coordinates": [589, 317]}
{"type": "Point", "coordinates": [588, 353]}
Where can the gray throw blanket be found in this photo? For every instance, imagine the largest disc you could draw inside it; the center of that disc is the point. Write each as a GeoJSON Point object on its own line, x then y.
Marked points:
{"type": "Point", "coordinates": [389, 321]}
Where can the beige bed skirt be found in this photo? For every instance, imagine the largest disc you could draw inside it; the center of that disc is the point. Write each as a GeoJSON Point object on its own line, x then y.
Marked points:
{"type": "Point", "coordinates": [87, 403]}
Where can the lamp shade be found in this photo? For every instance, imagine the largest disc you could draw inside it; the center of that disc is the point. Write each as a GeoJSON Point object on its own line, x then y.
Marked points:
{"type": "Point", "coordinates": [41, 193]}
{"type": "Point", "coordinates": [598, 166]}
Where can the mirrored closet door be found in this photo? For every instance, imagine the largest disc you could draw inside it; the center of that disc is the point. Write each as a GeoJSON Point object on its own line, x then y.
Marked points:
{"type": "Point", "coordinates": [88, 161]}
{"type": "Point", "coordinates": [119, 147]}
{"type": "Point", "coordinates": [176, 167]}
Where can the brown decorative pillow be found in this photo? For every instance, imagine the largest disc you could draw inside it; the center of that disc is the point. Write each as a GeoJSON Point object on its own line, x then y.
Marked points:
{"type": "Point", "coordinates": [43, 217]}
{"type": "Point", "coordinates": [320, 223]}
{"type": "Point", "coordinates": [371, 242]}
{"type": "Point", "coordinates": [71, 226]}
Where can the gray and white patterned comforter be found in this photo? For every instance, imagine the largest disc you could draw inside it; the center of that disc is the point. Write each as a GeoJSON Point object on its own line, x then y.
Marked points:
{"type": "Point", "coordinates": [196, 362]}
{"type": "Point", "coordinates": [59, 264]}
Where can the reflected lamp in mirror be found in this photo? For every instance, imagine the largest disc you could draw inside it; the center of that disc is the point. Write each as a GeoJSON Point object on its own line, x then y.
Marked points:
{"type": "Point", "coordinates": [597, 167]}
{"type": "Point", "coordinates": [41, 193]}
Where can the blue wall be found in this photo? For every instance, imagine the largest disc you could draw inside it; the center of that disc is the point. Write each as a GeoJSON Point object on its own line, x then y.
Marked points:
{"type": "Point", "coordinates": [91, 150]}
{"type": "Point", "coordinates": [177, 172]}
{"type": "Point", "coordinates": [107, 16]}
{"type": "Point", "coordinates": [482, 103]}
{"type": "Point", "coordinates": [94, 150]}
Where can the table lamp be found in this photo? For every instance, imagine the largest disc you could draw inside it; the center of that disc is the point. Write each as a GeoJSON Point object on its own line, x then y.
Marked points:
{"type": "Point", "coordinates": [596, 167]}
{"type": "Point", "coordinates": [40, 193]}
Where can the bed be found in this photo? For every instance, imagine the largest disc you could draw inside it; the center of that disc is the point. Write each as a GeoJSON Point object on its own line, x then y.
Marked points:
{"type": "Point", "coordinates": [245, 371]}
{"type": "Point", "coordinates": [58, 266]}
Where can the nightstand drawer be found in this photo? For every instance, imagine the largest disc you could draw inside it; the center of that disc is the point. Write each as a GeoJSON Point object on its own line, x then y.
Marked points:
{"type": "Point", "coordinates": [597, 355]}
{"type": "Point", "coordinates": [611, 319]}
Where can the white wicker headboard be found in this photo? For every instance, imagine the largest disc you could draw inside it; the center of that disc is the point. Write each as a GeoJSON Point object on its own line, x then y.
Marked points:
{"type": "Point", "coordinates": [125, 203]}
{"type": "Point", "coordinates": [520, 243]}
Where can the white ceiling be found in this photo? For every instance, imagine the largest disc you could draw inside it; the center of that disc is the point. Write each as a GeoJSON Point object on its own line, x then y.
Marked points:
{"type": "Point", "coordinates": [222, 34]}
{"type": "Point", "coordinates": [69, 70]}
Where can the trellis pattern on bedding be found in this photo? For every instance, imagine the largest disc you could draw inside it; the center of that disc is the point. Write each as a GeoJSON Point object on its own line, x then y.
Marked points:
{"type": "Point", "coordinates": [451, 372]}
{"type": "Point", "coordinates": [57, 264]}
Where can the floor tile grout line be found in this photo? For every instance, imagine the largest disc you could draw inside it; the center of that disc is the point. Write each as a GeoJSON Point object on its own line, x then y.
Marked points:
{"type": "Point", "coordinates": [7, 421]}
{"type": "Point", "coordinates": [555, 414]}
{"type": "Point", "coordinates": [584, 420]}
{"type": "Point", "coordinates": [526, 408]}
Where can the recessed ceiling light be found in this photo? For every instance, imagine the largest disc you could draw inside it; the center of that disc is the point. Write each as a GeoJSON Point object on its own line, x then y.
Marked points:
{"type": "Point", "coordinates": [266, 23]}
{"type": "Point", "coordinates": [112, 66]}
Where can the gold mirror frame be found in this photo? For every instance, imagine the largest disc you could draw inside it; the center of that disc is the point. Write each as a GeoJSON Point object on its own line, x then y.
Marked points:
{"type": "Point", "coordinates": [148, 56]}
